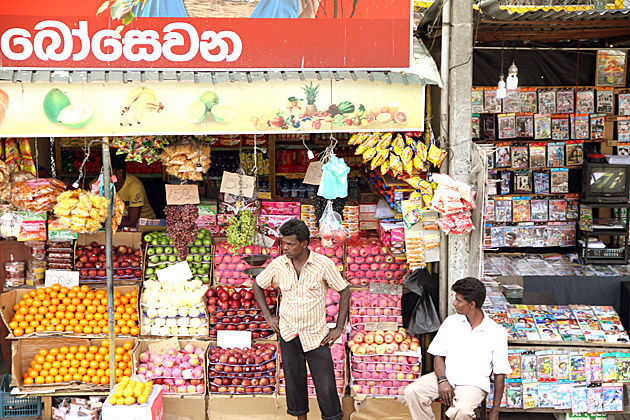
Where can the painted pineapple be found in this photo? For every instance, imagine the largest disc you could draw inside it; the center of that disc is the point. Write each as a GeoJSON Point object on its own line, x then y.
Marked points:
{"type": "Point", "coordinates": [311, 95]}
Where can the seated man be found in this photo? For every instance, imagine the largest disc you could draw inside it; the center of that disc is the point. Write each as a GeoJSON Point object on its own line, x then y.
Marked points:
{"type": "Point", "coordinates": [468, 348]}
{"type": "Point", "coordinates": [130, 190]}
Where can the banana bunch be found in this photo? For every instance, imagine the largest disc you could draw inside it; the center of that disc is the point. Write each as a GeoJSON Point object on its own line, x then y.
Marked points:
{"type": "Point", "coordinates": [139, 101]}
{"type": "Point", "coordinates": [388, 152]}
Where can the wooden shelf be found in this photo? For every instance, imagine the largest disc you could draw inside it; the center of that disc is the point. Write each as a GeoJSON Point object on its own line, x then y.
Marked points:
{"type": "Point", "coordinates": [546, 168]}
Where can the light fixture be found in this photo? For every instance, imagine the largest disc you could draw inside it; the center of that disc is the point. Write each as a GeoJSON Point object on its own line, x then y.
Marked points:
{"type": "Point", "coordinates": [512, 79]}
{"type": "Point", "coordinates": [501, 91]}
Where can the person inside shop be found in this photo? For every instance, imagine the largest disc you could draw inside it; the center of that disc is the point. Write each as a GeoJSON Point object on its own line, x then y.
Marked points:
{"type": "Point", "coordinates": [468, 348]}
{"type": "Point", "coordinates": [130, 190]}
{"type": "Point", "coordinates": [304, 278]}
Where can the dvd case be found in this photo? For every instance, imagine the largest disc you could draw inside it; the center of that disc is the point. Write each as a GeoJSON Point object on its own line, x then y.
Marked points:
{"type": "Point", "coordinates": [520, 156]}
{"type": "Point", "coordinates": [559, 127]}
{"type": "Point", "coordinates": [539, 210]}
{"type": "Point", "coordinates": [506, 182]}
{"type": "Point", "coordinates": [523, 182]}
{"type": "Point", "coordinates": [542, 126]}
{"type": "Point", "coordinates": [559, 180]}
{"type": "Point", "coordinates": [503, 209]}
{"type": "Point", "coordinates": [492, 105]}
{"type": "Point", "coordinates": [503, 156]}
{"type": "Point", "coordinates": [605, 100]}
{"type": "Point", "coordinates": [524, 125]}
{"type": "Point", "coordinates": [557, 210]}
{"type": "Point", "coordinates": [581, 130]}
{"type": "Point", "coordinates": [541, 182]}
{"type": "Point", "coordinates": [477, 101]}
{"type": "Point", "coordinates": [512, 102]}
{"type": "Point", "coordinates": [555, 155]}
{"type": "Point", "coordinates": [529, 102]}
{"type": "Point", "coordinates": [537, 155]}
{"type": "Point", "coordinates": [585, 101]}
{"type": "Point", "coordinates": [489, 127]}
{"type": "Point", "coordinates": [565, 101]}
{"type": "Point", "coordinates": [520, 209]}
{"type": "Point", "coordinates": [575, 152]}
{"type": "Point", "coordinates": [546, 101]}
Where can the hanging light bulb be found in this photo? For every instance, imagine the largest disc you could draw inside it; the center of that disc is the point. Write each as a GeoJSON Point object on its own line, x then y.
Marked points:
{"type": "Point", "coordinates": [512, 79]}
{"type": "Point", "coordinates": [501, 91]}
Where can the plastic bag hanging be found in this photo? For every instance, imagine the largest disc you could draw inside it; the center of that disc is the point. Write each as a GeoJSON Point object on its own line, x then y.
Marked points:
{"type": "Point", "coordinates": [334, 181]}
{"type": "Point", "coordinates": [330, 228]}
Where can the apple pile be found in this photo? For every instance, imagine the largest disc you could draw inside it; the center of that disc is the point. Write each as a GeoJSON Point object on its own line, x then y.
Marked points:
{"type": "Point", "coordinates": [176, 371]}
{"type": "Point", "coordinates": [249, 370]}
{"type": "Point", "coordinates": [338, 353]}
{"type": "Point", "coordinates": [383, 374]}
{"type": "Point", "coordinates": [332, 305]}
{"type": "Point", "coordinates": [161, 253]}
{"type": "Point", "coordinates": [232, 308]}
{"type": "Point", "coordinates": [372, 307]}
{"type": "Point", "coordinates": [90, 261]}
{"type": "Point", "coordinates": [228, 266]}
{"type": "Point", "coordinates": [174, 309]}
{"type": "Point", "coordinates": [370, 262]}
{"type": "Point", "coordinates": [382, 342]}
{"type": "Point", "coordinates": [335, 253]}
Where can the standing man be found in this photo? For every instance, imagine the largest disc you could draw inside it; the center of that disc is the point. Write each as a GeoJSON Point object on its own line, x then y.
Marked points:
{"type": "Point", "coordinates": [304, 277]}
{"type": "Point", "coordinates": [468, 348]}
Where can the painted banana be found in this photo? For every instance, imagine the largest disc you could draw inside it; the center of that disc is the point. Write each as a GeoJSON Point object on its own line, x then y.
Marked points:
{"type": "Point", "coordinates": [137, 102]}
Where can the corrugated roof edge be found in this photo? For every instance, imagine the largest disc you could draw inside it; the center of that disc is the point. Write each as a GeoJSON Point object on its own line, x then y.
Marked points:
{"type": "Point", "coordinates": [100, 76]}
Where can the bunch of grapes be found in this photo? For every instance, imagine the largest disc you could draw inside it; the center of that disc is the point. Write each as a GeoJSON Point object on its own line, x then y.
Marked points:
{"type": "Point", "coordinates": [181, 226]}
{"type": "Point", "coordinates": [241, 230]}
{"type": "Point", "coordinates": [319, 203]}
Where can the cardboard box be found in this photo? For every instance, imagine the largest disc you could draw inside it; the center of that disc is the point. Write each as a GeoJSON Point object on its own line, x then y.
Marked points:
{"type": "Point", "coordinates": [130, 239]}
{"type": "Point", "coordinates": [153, 409]}
{"type": "Point", "coordinates": [23, 352]}
{"type": "Point", "coordinates": [382, 408]}
{"type": "Point", "coordinates": [368, 225]}
{"type": "Point", "coordinates": [9, 299]}
{"type": "Point", "coordinates": [208, 208]}
{"type": "Point", "coordinates": [241, 407]}
{"type": "Point", "coordinates": [150, 225]}
{"type": "Point", "coordinates": [177, 344]}
{"type": "Point", "coordinates": [188, 407]}
{"type": "Point", "coordinates": [313, 408]}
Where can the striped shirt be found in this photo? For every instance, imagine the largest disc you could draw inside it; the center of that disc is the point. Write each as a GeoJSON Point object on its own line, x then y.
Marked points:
{"type": "Point", "coordinates": [303, 304]}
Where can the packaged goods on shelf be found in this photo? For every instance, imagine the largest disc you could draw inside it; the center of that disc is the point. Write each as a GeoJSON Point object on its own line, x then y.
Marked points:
{"type": "Point", "coordinates": [36, 195]}
{"type": "Point", "coordinates": [250, 370]}
{"type": "Point", "coordinates": [577, 380]}
{"type": "Point", "coordinates": [370, 261]}
{"type": "Point", "coordinates": [236, 309]}
{"type": "Point", "coordinates": [338, 353]}
{"type": "Point", "coordinates": [178, 366]}
{"type": "Point", "coordinates": [174, 309]}
{"type": "Point", "coordinates": [77, 407]}
{"type": "Point", "coordinates": [307, 215]}
{"type": "Point", "coordinates": [37, 263]}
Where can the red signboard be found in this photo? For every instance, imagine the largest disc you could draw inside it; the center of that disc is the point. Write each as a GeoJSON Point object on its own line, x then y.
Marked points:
{"type": "Point", "coordinates": [206, 34]}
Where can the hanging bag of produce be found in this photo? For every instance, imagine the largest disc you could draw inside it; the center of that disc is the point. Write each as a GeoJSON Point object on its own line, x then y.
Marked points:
{"type": "Point", "coordinates": [330, 228]}
{"type": "Point", "coordinates": [36, 195]}
{"type": "Point", "coordinates": [186, 160]}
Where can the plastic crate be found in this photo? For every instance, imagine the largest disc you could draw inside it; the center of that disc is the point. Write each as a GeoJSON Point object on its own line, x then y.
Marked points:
{"type": "Point", "coordinates": [16, 405]}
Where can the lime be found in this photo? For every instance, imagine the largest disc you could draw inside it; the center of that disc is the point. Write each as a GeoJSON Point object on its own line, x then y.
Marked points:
{"type": "Point", "coordinates": [196, 111]}
{"type": "Point", "coordinates": [223, 113]}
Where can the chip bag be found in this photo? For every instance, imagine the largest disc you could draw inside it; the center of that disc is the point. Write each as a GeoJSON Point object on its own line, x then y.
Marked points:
{"type": "Point", "coordinates": [379, 159]}
{"type": "Point", "coordinates": [436, 155]}
{"type": "Point", "coordinates": [407, 160]}
{"type": "Point", "coordinates": [395, 164]}
{"type": "Point", "coordinates": [385, 141]}
{"type": "Point", "coordinates": [399, 144]}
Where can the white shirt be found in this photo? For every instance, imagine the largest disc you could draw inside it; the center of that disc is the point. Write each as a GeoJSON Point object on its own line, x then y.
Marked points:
{"type": "Point", "coordinates": [471, 355]}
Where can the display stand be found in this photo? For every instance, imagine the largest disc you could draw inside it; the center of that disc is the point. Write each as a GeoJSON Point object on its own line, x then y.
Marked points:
{"type": "Point", "coordinates": [617, 228]}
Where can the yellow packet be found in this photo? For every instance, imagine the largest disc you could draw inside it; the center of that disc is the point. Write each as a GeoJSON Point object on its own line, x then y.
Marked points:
{"type": "Point", "coordinates": [436, 155]}
{"type": "Point", "coordinates": [407, 160]}
{"type": "Point", "coordinates": [369, 154]}
{"type": "Point", "coordinates": [385, 141]}
{"type": "Point", "coordinates": [395, 164]}
{"type": "Point", "coordinates": [399, 144]}
{"type": "Point", "coordinates": [12, 154]}
{"type": "Point", "coordinates": [385, 166]}
{"type": "Point", "coordinates": [379, 159]}
{"type": "Point", "coordinates": [414, 182]}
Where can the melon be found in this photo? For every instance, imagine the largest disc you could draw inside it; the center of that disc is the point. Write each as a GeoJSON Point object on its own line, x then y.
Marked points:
{"type": "Point", "coordinates": [76, 115]}
{"type": "Point", "coordinates": [196, 111]}
{"type": "Point", "coordinates": [54, 102]}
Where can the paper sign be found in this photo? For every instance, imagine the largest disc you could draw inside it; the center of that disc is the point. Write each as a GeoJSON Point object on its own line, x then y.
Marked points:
{"type": "Point", "coordinates": [386, 289]}
{"type": "Point", "coordinates": [263, 241]}
{"type": "Point", "coordinates": [381, 326]}
{"type": "Point", "coordinates": [313, 173]}
{"type": "Point", "coordinates": [63, 278]}
{"type": "Point", "coordinates": [234, 339]}
{"type": "Point", "coordinates": [182, 194]}
{"type": "Point", "coordinates": [175, 273]}
{"type": "Point", "coordinates": [162, 346]}
{"type": "Point", "coordinates": [236, 184]}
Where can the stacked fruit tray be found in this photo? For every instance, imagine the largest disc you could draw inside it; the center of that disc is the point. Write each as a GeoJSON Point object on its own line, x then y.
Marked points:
{"type": "Point", "coordinates": [249, 370]}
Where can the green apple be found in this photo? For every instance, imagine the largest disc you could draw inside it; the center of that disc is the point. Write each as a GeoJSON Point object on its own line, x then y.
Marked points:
{"type": "Point", "coordinates": [202, 249]}
{"type": "Point", "coordinates": [207, 257]}
{"type": "Point", "coordinates": [172, 258]}
{"type": "Point", "coordinates": [149, 271]}
{"type": "Point", "coordinates": [159, 250]}
{"type": "Point", "coordinates": [207, 242]}
{"type": "Point", "coordinates": [205, 266]}
{"type": "Point", "coordinates": [150, 251]}
{"type": "Point", "coordinates": [194, 250]}
{"type": "Point", "coordinates": [193, 270]}
{"type": "Point", "coordinates": [197, 258]}
{"type": "Point", "coordinates": [163, 257]}
{"type": "Point", "coordinates": [154, 259]}
{"type": "Point", "coordinates": [168, 250]}
{"type": "Point", "coordinates": [189, 258]}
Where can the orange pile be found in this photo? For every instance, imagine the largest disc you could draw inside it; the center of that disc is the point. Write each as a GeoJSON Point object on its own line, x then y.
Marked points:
{"type": "Point", "coordinates": [78, 310]}
{"type": "Point", "coordinates": [78, 363]}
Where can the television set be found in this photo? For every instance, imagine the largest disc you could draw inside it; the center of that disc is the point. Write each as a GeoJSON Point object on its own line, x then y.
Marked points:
{"type": "Point", "coordinates": [605, 183]}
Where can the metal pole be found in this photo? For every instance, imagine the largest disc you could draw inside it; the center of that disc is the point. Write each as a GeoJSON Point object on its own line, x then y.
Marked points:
{"type": "Point", "coordinates": [108, 253]}
{"type": "Point", "coordinates": [444, 135]}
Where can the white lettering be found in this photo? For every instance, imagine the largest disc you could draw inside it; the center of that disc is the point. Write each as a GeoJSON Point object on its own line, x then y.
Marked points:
{"type": "Point", "coordinates": [61, 37]}
{"type": "Point", "coordinates": [175, 39]}
{"type": "Point", "coordinates": [178, 42]}
{"type": "Point", "coordinates": [84, 37]}
{"type": "Point", "coordinates": [21, 39]}
{"type": "Point", "coordinates": [110, 39]}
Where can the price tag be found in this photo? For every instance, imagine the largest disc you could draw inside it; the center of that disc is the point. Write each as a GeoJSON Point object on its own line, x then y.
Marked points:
{"type": "Point", "coordinates": [175, 273]}
{"type": "Point", "coordinates": [162, 346]}
{"type": "Point", "coordinates": [63, 278]}
{"type": "Point", "coordinates": [263, 240]}
{"type": "Point", "coordinates": [182, 194]}
{"type": "Point", "coordinates": [313, 173]}
{"type": "Point", "coordinates": [233, 339]}
{"type": "Point", "coordinates": [236, 184]}
{"type": "Point", "coordinates": [386, 289]}
{"type": "Point", "coordinates": [381, 326]}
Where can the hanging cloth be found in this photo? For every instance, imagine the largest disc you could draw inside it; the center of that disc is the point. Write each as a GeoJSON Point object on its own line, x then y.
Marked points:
{"type": "Point", "coordinates": [334, 181]}
{"type": "Point", "coordinates": [161, 8]}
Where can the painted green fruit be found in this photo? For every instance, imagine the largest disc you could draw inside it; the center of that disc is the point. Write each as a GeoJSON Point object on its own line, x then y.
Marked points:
{"type": "Point", "coordinates": [54, 102]}
{"type": "Point", "coordinates": [76, 115]}
{"type": "Point", "coordinates": [209, 98]}
{"type": "Point", "coordinates": [223, 113]}
{"type": "Point", "coordinates": [196, 111]}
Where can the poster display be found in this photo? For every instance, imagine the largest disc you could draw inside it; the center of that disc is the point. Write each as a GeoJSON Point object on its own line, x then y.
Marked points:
{"type": "Point", "coordinates": [213, 34]}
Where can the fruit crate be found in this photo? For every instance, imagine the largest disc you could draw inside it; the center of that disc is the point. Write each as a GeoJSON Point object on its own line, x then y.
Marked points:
{"type": "Point", "coordinates": [16, 405]}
